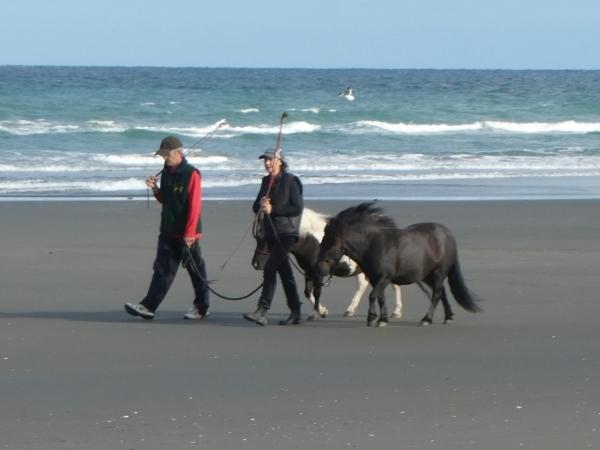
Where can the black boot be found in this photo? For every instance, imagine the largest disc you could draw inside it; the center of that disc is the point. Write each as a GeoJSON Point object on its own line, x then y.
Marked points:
{"type": "Point", "coordinates": [294, 318]}
{"type": "Point", "coordinates": [259, 316]}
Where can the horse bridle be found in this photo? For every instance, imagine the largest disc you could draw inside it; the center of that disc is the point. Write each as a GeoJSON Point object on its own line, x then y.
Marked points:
{"type": "Point", "coordinates": [336, 258]}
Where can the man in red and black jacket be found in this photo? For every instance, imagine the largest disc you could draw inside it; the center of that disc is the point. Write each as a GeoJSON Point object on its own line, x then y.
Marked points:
{"type": "Point", "coordinates": [180, 194]}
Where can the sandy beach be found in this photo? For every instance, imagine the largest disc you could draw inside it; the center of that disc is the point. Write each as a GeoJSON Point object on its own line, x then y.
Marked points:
{"type": "Point", "coordinates": [78, 373]}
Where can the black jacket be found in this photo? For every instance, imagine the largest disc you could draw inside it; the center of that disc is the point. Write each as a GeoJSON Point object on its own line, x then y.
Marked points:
{"type": "Point", "coordinates": [287, 202]}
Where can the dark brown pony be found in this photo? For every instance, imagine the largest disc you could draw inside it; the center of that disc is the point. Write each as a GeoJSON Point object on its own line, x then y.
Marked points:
{"type": "Point", "coordinates": [421, 253]}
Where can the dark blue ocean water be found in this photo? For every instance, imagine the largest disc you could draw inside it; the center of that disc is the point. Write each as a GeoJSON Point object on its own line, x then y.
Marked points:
{"type": "Point", "coordinates": [411, 134]}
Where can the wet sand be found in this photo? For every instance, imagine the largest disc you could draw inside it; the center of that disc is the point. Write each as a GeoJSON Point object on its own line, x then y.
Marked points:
{"type": "Point", "coordinates": [78, 373]}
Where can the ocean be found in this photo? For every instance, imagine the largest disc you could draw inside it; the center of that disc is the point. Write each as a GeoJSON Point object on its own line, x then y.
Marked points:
{"type": "Point", "coordinates": [73, 132]}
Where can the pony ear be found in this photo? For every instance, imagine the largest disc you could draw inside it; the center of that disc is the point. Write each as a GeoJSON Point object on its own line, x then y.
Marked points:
{"type": "Point", "coordinates": [368, 208]}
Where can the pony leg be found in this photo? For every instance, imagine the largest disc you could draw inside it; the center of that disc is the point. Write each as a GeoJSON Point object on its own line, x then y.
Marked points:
{"type": "Point", "coordinates": [312, 292]}
{"type": "Point", "coordinates": [383, 316]}
{"type": "Point", "coordinates": [308, 294]}
{"type": "Point", "coordinates": [448, 314]}
{"type": "Point", "coordinates": [398, 309]}
{"type": "Point", "coordinates": [362, 284]}
{"type": "Point", "coordinates": [436, 294]}
{"type": "Point", "coordinates": [372, 314]}
{"type": "Point", "coordinates": [323, 312]}
{"type": "Point", "coordinates": [375, 294]}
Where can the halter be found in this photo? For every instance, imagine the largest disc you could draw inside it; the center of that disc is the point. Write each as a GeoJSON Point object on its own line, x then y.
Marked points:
{"type": "Point", "coordinates": [336, 257]}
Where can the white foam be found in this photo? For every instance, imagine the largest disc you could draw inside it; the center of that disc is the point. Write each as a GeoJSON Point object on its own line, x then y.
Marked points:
{"type": "Point", "coordinates": [248, 110]}
{"type": "Point", "coordinates": [314, 110]}
{"type": "Point", "coordinates": [40, 126]}
{"type": "Point", "coordinates": [289, 128]}
{"type": "Point", "coordinates": [457, 162]}
{"type": "Point", "coordinates": [38, 185]}
{"type": "Point", "coordinates": [380, 178]}
{"type": "Point", "coordinates": [47, 168]}
{"type": "Point", "coordinates": [410, 128]}
{"type": "Point", "coordinates": [127, 160]}
{"type": "Point", "coordinates": [141, 160]}
{"type": "Point", "coordinates": [106, 126]}
{"type": "Point", "coordinates": [235, 180]}
{"type": "Point", "coordinates": [43, 126]}
{"type": "Point", "coordinates": [304, 162]}
{"type": "Point", "coordinates": [569, 126]}
{"type": "Point", "coordinates": [203, 161]}
{"type": "Point", "coordinates": [186, 131]}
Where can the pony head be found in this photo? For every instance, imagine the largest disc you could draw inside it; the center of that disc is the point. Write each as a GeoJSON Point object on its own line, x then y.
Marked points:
{"type": "Point", "coordinates": [332, 247]}
{"type": "Point", "coordinates": [335, 241]}
{"type": "Point", "coordinates": [261, 254]}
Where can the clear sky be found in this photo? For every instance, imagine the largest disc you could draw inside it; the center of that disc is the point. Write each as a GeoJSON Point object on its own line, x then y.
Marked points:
{"type": "Point", "coordinates": [506, 34]}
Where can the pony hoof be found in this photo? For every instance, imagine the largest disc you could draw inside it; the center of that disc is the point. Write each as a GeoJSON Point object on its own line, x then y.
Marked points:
{"type": "Point", "coordinates": [425, 323]}
{"type": "Point", "coordinates": [310, 317]}
{"type": "Point", "coordinates": [372, 323]}
{"type": "Point", "coordinates": [324, 314]}
{"type": "Point", "coordinates": [349, 314]}
{"type": "Point", "coordinates": [447, 321]}
{"type": "Point", "coordinates": [396, 316]}
{"type": "Point", "coordinates": [382, 323]}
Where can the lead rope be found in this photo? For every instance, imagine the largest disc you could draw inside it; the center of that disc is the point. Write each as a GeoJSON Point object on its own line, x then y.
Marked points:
{"type": "Point", "coordinates": [188, 261]}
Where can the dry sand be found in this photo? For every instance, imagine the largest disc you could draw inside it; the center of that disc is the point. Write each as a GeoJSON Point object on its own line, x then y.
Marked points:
{"type": "Point", "coordinates": [76, 372]}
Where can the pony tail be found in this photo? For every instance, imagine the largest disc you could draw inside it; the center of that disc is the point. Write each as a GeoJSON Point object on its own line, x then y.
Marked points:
{"type": "Point", "coordinates": [465, 298]}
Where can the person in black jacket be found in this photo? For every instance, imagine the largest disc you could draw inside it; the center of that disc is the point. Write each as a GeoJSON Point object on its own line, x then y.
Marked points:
{"type": "Point", "coordinates": [280, 203]}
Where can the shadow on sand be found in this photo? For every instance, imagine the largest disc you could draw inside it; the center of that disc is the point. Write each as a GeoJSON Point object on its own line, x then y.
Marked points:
{"type": "Point", "coordinates": [176, 317]}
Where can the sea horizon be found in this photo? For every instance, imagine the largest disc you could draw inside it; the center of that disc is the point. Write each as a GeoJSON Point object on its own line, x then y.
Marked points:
{"type": "Point", "coordinates": [142, 66]}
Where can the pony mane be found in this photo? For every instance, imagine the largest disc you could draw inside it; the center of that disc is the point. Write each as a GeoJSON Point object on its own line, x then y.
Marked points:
{"type": "Point", "coordinates": [365, 212]}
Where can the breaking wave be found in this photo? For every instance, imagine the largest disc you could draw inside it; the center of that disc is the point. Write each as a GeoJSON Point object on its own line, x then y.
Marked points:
{"type": "Point", "coordinates": [42, 126]}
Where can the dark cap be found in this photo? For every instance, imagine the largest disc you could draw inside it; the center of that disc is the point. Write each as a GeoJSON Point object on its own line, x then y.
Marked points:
{"type": "Point", "coordinates": [167, 144]}
{"type": "Point", "coordinates": [270, 153]}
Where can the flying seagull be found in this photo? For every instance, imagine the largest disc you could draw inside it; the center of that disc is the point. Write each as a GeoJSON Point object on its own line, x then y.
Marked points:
{"type": "Point", "coordinates": [347, 94]}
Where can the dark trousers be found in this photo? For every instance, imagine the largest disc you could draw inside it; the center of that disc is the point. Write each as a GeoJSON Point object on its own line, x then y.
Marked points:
{"type": "Point", "coordinates": [168, 258]}
{"type": "Point", "coordinates": [279, 263]}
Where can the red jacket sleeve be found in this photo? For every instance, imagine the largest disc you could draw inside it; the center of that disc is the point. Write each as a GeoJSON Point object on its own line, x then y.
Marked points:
{"type": "Point", "coordinates": [194, 205]}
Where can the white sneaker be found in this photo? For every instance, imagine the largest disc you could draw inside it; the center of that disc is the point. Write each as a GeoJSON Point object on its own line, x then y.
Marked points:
{"type": "Point", "coordinates": [194, 314]}
{"type": "Point", "coordinates": [137, 309]}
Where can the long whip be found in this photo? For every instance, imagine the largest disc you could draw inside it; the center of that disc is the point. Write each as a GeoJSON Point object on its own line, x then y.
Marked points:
{"type": "Point", "coordinates": [258, 217]}
{"type": "Point", "coordinates": [196, 145]}
{"type": "Point", "coordinates": [277, 150]}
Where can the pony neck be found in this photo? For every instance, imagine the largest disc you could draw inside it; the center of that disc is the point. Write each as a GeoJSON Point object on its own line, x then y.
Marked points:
{"type": "Point", "coordinates": [355, 245]}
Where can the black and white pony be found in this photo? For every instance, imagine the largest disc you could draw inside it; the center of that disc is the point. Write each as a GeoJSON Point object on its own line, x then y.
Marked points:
{"type": "Point", "coordinates": [306, 252]}
{"type": "Point", "coordinates": [421, 253]}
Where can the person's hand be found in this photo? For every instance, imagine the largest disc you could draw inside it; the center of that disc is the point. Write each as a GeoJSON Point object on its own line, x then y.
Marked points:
{"type": "Point", "coordinates": [151, 183]}
{"type": "Point", "coordinates": [266, 205]}
{"type": "Point", "coordinates": [189, 241]}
